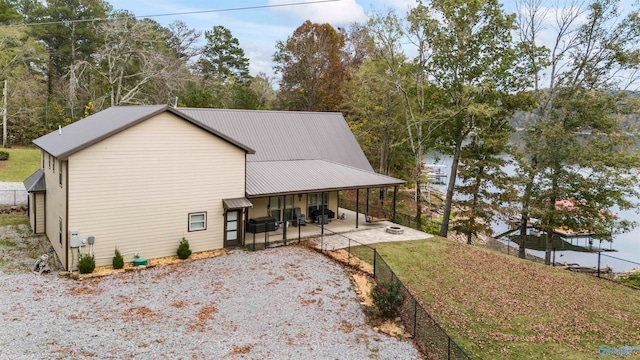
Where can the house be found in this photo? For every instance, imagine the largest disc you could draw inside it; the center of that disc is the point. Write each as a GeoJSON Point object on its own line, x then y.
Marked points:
{"type": "Point", "coordinates": [140, 178]}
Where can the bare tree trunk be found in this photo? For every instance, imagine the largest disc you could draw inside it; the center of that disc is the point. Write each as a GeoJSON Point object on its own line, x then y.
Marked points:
{"type": "Point", "coordinates": [526, 199]}
{"type": "Point", "coordinates": [444, 228]}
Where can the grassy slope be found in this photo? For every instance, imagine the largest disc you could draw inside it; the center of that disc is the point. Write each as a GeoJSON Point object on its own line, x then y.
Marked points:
{"type": "Point", "coordinates": [13, 219]}
{"type": "Point", "coordinates": [496, 306]}
{"type": "Point", "coordinates": [22, 163]}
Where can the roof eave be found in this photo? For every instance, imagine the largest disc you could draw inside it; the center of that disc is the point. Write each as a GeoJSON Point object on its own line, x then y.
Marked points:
{"type": "Point", "coordinates": [295, 192]}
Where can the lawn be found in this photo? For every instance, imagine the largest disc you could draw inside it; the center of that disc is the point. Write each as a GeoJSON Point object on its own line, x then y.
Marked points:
{"type": "Point", "coordinates": [23, 161]}
{"type": "Point", "coordinates": [495, 306]}
{"type": "Point", "coordinates": [13, 219]}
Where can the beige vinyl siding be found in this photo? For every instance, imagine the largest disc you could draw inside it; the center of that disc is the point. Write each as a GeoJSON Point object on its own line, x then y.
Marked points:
{"type": "Point", "coordinates": [55, 204]}
{"type": "Point", "coordinates": [32, 209]}
{"type": "Point", "coordinates": [39, 213]}
{"type": "Point", "coordinates": [135, 189]}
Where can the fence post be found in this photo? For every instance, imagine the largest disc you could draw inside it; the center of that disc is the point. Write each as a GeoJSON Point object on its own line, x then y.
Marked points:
{"type": "Point", "coordinates": [449, 348]}
{"type": "Point", "coordinates": [415, 316]}
{"type": "Point", "coordinates": [599, 263]}
{"type": "Point", "coordinates": [375, 254]}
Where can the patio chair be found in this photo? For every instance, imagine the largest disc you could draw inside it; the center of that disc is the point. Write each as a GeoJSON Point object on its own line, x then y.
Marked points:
{"type": "Point", "coordinates": [301, 219]}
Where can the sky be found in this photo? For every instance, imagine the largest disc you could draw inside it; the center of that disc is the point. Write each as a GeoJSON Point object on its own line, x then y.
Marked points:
{"type": "Point", "coordinates": [258, 30]}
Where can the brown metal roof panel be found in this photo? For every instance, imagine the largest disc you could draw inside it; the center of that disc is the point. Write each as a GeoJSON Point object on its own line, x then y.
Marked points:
{"type": "Point", "coordinates": [99, 126]}
{"type": "Point", "coordinates": [237, 203]}
{"type": "Point", "coordinates": [35, 182]}
{"type": "Point", "coordinates": [287, 135]}
{"type": "Point", "coordinates": [274, 177]}
{"type": "Point", "coordinates": [94, 128]}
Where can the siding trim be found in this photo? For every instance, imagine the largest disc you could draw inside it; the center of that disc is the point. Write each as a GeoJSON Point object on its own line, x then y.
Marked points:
{"type": "Point", "coordinates": [66, 220]}
{"type": "Point", "coordinates": [35, 213]}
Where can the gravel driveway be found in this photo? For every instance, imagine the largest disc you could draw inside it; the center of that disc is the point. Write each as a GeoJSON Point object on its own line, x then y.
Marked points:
{"type": "Point", "coordinates": [284, 303]}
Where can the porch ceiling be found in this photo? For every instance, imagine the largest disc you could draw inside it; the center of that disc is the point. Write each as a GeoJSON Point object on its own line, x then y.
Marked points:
{"type": "Point", "coordinates": [299, 176]}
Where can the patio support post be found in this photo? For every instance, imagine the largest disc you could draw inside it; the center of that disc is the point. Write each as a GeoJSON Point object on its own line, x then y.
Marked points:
{"type": "Point", "coordinates": [367, 208]}
{"type": "Point", "coordinates": [395, 192]}
{"type": "Point", "coordinates": [357, 206]}
{"type": "Point", "coordinates": [322, 216]}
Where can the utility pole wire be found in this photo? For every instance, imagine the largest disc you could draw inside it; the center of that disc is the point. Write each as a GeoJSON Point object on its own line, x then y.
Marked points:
{"type": "Point", "coordinates": [66, 22]}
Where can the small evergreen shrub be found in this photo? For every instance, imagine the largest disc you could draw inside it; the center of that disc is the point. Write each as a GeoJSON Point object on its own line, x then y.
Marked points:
{"type": "Point", "coordinates": [183, 249]}
{"type": "Point", "coordinates": [387, 297]}
{"type": "Point", "coordinates": [118, 261]}
{"type": "Point", "coordinates": [4, 155]}
{"type": "Point", "coordinates": [87, 264]}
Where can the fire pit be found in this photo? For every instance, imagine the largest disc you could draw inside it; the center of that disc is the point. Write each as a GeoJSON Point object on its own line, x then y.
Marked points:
{"type": "Point", "coordinates": [395, 230]}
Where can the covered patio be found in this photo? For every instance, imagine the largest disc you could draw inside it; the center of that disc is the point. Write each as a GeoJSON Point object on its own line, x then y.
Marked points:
{"type": "Point", "coordinates": [334, 234]}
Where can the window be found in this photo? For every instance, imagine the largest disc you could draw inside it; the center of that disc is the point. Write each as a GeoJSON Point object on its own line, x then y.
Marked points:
{"type": "Point", "coordinates": [317, 200]}
{"type": "Point", "coordinates": [274, 207]}
{"type": "Point", "coordinates": [60, 229]}
{"type": "Point", "coordinates": [60, 175]}
{"type": "Point", "coordinates": [198, 221]}
{"type": "Point", "coordinates": [42, 156]}
{"type": "Point", "coordinates": [49, 162]}
{"type": "Point", "coordinates": [54, 166]}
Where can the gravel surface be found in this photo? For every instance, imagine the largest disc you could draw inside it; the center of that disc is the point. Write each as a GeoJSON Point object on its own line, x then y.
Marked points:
{"type": "Point", "coordinates": [284, 303]}
{"type": "Point", "coordinates": [13, 193]}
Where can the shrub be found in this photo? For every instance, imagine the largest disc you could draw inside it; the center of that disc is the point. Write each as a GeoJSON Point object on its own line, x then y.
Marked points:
{"type": "Point", "coordinates": [87, 264]}
{"type": "Point", "coordinates": [4, 155]}
{"type": "Point", "coordinates": [387, 297]}
{"type": "Point", "coordinates": [183, 249]}
{"type": "Point", "coordinates": [118, 261]}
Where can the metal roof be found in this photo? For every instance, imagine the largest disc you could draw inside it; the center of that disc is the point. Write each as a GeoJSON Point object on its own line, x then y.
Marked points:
{"type": "Point", "coordinates": [88, 131]}
{"type": "Point", "coordinates": [35, 182]}
{"type": "Point", "coordinates": [287, 135]}
{"type": "Point", "coordinates": [237, 203]}
{"type": "Point", "coordinates": [301, 176]}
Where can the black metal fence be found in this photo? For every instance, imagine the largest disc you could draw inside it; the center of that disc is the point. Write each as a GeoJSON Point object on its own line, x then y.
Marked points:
{"type": "Point", "coordinates": [428, 335]}
{"type": "Point", "coordinates": [604, 257]}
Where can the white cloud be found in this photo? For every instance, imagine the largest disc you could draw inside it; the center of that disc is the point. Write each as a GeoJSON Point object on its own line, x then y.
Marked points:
{"type": "Point", "coordinates": [400, 4]}
{"type": "Point", "coordinates": [341, 12]}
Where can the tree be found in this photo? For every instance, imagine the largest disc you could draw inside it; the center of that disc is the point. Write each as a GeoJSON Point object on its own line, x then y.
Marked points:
{"type": "Point", "coordinates": [312, 68]}
{"type": "Point", "coordinates": [71, 45]}
{"type": "Point", "coordinates": [183, 41]}
{"type": "Point", "coordinates": [22, 60]}
{"type": "Point", "coordinates": [470, 55]}
{"type": "Point", "coordinates": [484, 187]}
{"type": "Point", "coordinates": [135, 63]}
{"type": "Point", "coordinates": [223, 57]}
{"type": "Point", "coordinates": [9, 12]}
{"type": "Point", "coordinates": [578, 177]}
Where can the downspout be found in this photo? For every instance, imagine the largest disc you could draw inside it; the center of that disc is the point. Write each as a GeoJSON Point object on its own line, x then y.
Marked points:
{"type": "Point", "coordinates": [66, 217]}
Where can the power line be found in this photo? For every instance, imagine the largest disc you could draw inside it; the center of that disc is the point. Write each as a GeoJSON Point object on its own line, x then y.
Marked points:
{"type": "Point", "coordinates": [173, 14]}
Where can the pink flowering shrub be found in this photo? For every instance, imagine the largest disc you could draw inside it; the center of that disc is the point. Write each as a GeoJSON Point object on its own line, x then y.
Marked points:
{"type": "Point", "coordinates": [387, 297]}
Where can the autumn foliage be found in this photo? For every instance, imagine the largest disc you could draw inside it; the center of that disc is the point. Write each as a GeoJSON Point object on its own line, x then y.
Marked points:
{"type": "Point", "coordinates": [312, 68]}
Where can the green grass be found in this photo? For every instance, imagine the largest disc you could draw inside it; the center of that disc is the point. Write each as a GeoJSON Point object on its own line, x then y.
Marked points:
{"type": "Point", "coordinates": [23, 161]}
{"type": "Point", "coordinates": [495, 306]}
{"type": "Point", "coordinates": [13, 219]}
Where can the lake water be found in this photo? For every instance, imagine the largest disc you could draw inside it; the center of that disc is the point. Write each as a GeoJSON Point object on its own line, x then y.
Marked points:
{"type": "Point", "coordinates": [627, 244]}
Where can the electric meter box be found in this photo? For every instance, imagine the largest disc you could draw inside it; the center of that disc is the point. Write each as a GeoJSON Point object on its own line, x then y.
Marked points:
{"type": "Point", "coordinates": [74, 239]}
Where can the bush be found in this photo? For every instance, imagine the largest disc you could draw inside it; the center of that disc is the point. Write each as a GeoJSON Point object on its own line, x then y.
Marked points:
{"type": "Point", "coordinates": [118, 261]}
{"type": "Point", "coordinates": [387, 297]}
{"type": "Point", "coordinates": [183, 249]}
{"type": "Point", "coordinates": [87, 264]}
{"type": "Point", "coordinates": [632, 280]}
{"type": "Point", "coordinates": [4, 155]}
